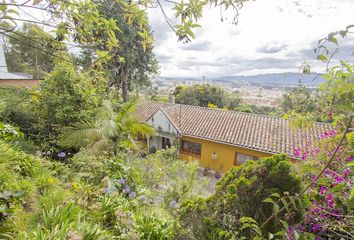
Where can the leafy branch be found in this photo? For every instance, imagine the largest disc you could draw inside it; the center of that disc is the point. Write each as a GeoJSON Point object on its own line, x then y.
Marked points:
{"type": "Point", "coordinates": [330, 160]}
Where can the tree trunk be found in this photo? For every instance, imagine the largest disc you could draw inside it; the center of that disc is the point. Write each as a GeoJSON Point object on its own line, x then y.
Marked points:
{"type": "Point", "coordinates": [124, 79]}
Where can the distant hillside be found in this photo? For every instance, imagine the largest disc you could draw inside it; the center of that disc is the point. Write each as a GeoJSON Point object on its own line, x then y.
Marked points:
{"type": "Point", "coordinates": [277, 79]}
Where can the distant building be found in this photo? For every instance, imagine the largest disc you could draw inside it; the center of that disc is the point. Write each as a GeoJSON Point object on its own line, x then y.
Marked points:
{"type": "Point", "coordinates": [8, 79]}
{"type": "Point", "coordinates": [261, 101]}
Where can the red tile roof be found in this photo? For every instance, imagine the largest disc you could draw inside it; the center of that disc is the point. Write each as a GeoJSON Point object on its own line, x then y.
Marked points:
{"type": "Point", "coordinates": [257, 132]}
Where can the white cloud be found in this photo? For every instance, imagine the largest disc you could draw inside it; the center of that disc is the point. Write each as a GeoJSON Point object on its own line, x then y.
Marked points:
{"type": "Point", "coordinates": [271, 36]}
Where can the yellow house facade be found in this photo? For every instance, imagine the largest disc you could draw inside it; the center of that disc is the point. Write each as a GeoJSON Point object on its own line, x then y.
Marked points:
{"type": "Point", "coordinates": [217, 156]}
{"type": "Point", "coordinates": [220, 139]}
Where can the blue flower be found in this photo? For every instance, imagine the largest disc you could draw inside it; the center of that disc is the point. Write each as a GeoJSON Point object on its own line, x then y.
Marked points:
{"type": "Point", "coordinates": [126, 189]}
{"type": "Point", "coordinates": [142, 198]}
{"type": "Point", "coordinates": [62, 154]}
{"type": "Point", "coordinates": [107, 190]}
{"type": "Point", "coordinates": [121, 181]}
{"type": "Point", "coordinates": [154, 200]}
{"type": "Point", "coordinates": [173, 204]}
{"type": "Point", "coordinates": [132, 195]}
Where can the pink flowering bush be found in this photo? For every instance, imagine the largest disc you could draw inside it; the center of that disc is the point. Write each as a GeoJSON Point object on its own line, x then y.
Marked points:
{"type": "Point", "coordinates": [330, 211]}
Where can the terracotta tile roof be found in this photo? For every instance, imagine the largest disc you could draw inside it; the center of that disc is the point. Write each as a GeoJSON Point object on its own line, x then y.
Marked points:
{"type": "Point", "coordinates": [258, 132]}
{"type": "Point", "coordinates": [146, 109]}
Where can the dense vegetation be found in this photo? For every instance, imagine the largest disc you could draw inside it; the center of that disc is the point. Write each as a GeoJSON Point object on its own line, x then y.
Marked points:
{"type": "Point", "coordinates": [90, 196]}
{"type": "Point", "coordinates": [90, 180]}
{"type": "Point", "coordinates": [71, 168]}
{"type": "Point", "coordinates": [206, 95]}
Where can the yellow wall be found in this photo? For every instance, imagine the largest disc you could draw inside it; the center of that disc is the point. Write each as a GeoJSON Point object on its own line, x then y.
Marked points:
{"type": "Point", "coordinates": [226, 154]}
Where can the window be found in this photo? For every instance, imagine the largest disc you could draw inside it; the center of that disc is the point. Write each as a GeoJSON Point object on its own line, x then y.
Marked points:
{"type": "Point", "coordinates": [241, 158]}
{"type": "Point", "coordinates": [191, 147]}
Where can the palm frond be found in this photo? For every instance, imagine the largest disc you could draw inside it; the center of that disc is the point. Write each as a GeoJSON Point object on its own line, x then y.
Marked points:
{"type": "Point", "coordinates": [106, 111]}
{"type": "Point", "coordinates": [102, 145]}
{"type": "Point", "coordinates": [126, 110]}
{"type": "Point", "coordinates": [108, 128]}
{"type": "Point", "coordinates": [141, 128]}
{"type": "Point", "coordinates": [80, 134]}
{"type": "Point", "coordinates": [126, 143]}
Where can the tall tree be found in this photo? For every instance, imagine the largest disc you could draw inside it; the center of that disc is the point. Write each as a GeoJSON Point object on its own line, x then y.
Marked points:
{"type": "Point", "coordinates": [133, 63]}
{"type": "Point", "coordinates": [26, 55]}
{"type": "Point", "coordinates": [203, 94]}
{"type": "Point", "coordinates": [299, 100]}
{"type": "Point", "coordinates": [65, 97]}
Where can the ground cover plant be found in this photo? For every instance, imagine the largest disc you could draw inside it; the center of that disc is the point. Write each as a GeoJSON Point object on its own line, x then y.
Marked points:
{"type": "Point", "coordinates": [71, 167]}
{"type": "Point", "coordinates": [90, 196]}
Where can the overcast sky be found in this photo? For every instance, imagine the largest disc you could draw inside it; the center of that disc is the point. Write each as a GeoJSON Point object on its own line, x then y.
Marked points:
{"type": "Point", "coordinates": [272, 36]}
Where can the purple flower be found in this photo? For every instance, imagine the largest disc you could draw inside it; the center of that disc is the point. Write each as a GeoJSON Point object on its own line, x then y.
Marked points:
{"type": "Point", "coordinates": [142, 198]}
{"type": "Point", "coordinates": [62, 154]}
{"type": "Point", "coordinates": [345, 172]}
{"type": "Point", "coordinates": [132, 195]}
{"type": "Point", "coordinates": [126, 189]}
{"type": "Point", "coordinates": [329, 200]}
{"type": "Point", "coordinates": [328, 172]}
{"type": "Point", "coordinates": [107, 190]}
{"type": "Point", "coordinates": [154, 200]}
{"type": "Point", "coordinates": [315, 227]}
{"type": "Point", "coordinates": [297, 152]}
{"type": "Point", "coordinates": [338, 179]}
{"type": "Point", "coordinates": [121, 181]}
{"type": "Point", "coordinates": [323, 190]}
{"type": "Point", "coordinates": [173, 204]}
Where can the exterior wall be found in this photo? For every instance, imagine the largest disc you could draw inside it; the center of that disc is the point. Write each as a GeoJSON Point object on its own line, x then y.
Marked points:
{"type": "Point", "coordinates": [155, 141]}
{"type": "Point", "coordinates": [162, 124]}
{"type": "Point", "coordinates": [19, 82]}
{"type": "Point", "coordinates": [226, 154]}
{"type": "Point", "coordinates": [163, 127]}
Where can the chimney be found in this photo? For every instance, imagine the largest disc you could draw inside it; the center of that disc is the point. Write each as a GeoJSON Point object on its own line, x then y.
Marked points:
{"type": "Point", "coordinates": [171, 98]}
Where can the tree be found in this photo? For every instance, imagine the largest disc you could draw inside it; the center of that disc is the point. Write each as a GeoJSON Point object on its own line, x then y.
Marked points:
{"type": "Point", "coordinates": [109, 128]}
{"type": "Point", "coordinates": [298, 99]}
{"type": "Point", "coordinates": [65, 97]}
{"type": "Point", "coordinates": [264, 110]}
{"type": "Point", "coordinates": [335, 96]}
{"type": "Point", "coordinates": [24, 55]}
{"type": "Point", "coordinates": [203, 94]}
{"type": "Point", "coordinates": [133, 63]}
{"type": "Point", "coordinates": [69, 21]}
{"type": "Point", "coordinates": [16, 109]}
{"type": "Point", "coordinates": [336, 93]}
{"type": "Point", "coordinates": [241, 193]}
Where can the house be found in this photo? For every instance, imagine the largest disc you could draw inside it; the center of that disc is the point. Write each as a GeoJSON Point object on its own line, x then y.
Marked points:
{"type": "Point", "coordinates": [220, 139]}
{"type": "Point", "coordinates": [9, 79]}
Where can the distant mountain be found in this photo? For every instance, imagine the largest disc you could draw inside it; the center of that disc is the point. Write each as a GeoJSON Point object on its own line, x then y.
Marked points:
{"type": "Point", "coordinates": [275, 78]}
{"type": "Point", "coordinates": [272, 79]}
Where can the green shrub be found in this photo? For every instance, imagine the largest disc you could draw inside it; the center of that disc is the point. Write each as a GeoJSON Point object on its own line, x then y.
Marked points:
{"type": "Point", "coordinates": [65, 97]}
{"type": "Point", "coordinates": [241, 193]}
{"type": "Point", "coordinates": [153, 227]}
{"type": "Point", "coordinates": [36, 205]}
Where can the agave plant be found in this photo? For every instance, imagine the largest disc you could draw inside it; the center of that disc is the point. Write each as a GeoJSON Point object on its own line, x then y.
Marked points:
{"type": "Point", "coordinates": [108, 129]}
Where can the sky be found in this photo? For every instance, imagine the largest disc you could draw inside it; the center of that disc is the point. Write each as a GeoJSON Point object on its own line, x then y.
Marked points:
{"type": "Point", "coordinates": [272, 36]}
